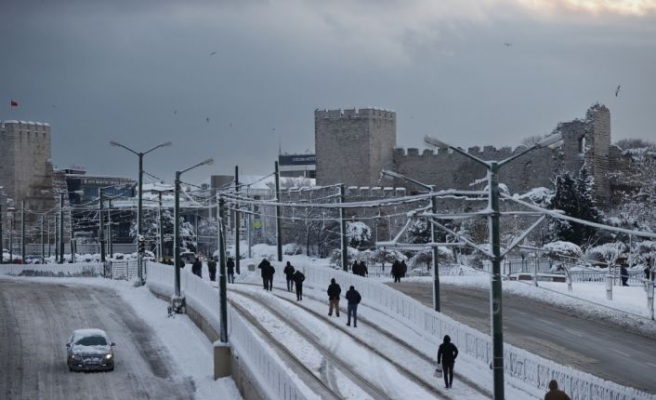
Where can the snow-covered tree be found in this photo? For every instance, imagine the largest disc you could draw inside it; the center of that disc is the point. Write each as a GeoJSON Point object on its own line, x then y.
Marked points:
{"type": "Point", "coordinates": [419, 231]}
{"type": "Point", "coordinates": [358, 233]}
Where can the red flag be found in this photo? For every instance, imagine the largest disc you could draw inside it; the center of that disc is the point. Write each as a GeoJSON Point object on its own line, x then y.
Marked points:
{"type": "Point", "coordinates": [14, 103]}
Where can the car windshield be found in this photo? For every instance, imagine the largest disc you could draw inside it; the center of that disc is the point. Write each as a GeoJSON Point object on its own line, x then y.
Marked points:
{"type": "Point", "coordinates": [91, 341]}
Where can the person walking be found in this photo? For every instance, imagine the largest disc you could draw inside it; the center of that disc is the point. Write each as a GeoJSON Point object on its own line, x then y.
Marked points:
{"type": "Point", "coordinates": [334, 290]}
{"type": "Point", "coordinates": [211, 267]}
{"type": "Point", "coordinates": [396, 270]}
{"type": "Point", "coordinates": [230, 266]}
{"type": "Point", "coordinates": [364, 271]}
{"type": "Point", "coordinates": [447, 354]}
{"type": "Point", "coordinates": [267, 272]}
{"type": "Point", "coordinates": [197, 267]}
{"type": "Point", "coordinates": [554, 393]}
{"type": "Point", "coordinates": [624, 274]}
{"type": "Point", "coordinates": [298, 278]}
{"type": "Point", "coordinates": [289, 273]}
{"type": "Point", "coordinates": [353, 298]}
{"type": "Point", "coordinates": [355, 268]}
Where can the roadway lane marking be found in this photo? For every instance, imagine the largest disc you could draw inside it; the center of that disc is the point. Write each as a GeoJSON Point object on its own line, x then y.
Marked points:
{"type": "Point", "coordinates": [545, 321]}
{"type": "Point", "coordinates": [619, 352]}
{"type": "Point", "coordinates": [653, 365]}
{"type": "Point", "coordinates": [573, 332]}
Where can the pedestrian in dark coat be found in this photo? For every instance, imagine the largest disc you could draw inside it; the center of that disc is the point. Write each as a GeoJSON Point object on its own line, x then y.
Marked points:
{"type": "Point", "coordinates": [197, 267]}
{"type": "Point", "coordinates": [267, 272]}
{"type": "Point", "coordinates": [364, 271]}
{"type": "Point", "coordinates": [355, 268]}
{"type": "Point", "coordinates": [404, 269]}
{"type": "Point", "coordinates": [554, 393]}
{"type": "Point", "coordinates": [211, 267]}
{"type": "Point", "coordinates": [334, 290]}
{"type": "Point", "coordinates": [353, 298]}
{"type": "Point", "coordinates": [289, 273]}
{"type": "Point", "coordinates": [396, 270]}
{"type": "Point", "coordinates": [181, 263]}
{"type": "Point", "coordinates": [624, 274]}
{"type": "Point", "coordinates": [447, 354]}
{"type": "Point", "coordinates": [230, 266]}
{"type": "Point", "coordinates": [298, 280]}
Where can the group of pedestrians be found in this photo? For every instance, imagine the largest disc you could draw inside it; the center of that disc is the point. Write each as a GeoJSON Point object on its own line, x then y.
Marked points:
{"type": "Point", "coordinates": [360, 268]}
{"type": "Point", "coordinates": [293, 276]}
{"type": "Point", "coordinates": [353, 298]}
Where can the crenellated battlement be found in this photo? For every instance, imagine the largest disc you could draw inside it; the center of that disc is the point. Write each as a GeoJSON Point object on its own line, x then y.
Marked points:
{"type": "Point", "coordinates": [486, 153]}
{"type": "Point", "coordinates": [353, 113]}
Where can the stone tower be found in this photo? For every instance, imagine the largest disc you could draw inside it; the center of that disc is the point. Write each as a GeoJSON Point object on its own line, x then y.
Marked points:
{"type": "Point", "coordinates": [353, 146]}
{"type": "Point", "coordinates": [25, 165]}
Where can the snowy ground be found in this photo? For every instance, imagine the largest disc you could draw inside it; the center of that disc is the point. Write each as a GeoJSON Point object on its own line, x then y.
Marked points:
{"type": "Point", "coordinates": [193, 352]}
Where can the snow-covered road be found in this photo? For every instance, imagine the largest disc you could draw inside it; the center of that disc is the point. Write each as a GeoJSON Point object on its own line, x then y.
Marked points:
{"type": "Point", "coordinates": [37, 320]}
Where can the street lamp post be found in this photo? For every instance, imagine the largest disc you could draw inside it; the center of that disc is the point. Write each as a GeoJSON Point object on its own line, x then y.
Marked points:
{"type": "Point", "coordinates": [436, 265]}
{"type": "Point", "coordinates": [176, 225]}
{"type": "Point", "coordinates": [495, 241]}
{"type": "Point", "coordinates": [140, 198]}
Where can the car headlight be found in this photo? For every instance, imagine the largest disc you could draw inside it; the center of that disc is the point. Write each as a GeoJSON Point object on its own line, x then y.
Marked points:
{"type": "Point", "coordinates": [74, 357]}
{"type": "Point", "coordinates": [108, 356]}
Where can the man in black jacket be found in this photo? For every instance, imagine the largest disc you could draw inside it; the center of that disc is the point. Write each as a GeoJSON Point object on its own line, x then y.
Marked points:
{"type": "Point", "coordinates": [447, 354]}
{"type": "Point", "coordinates": [230, 266]}
{"type": "Point", "coordinates": [197, 267]}
{"type": "Point", "coordinates": [353, 298]}
{"type": "Point", "coordinates": [289, 273]}
{"type": "Point", "coordinates": [211, 267]}
{"type": "Point", "coordinates": [298, 280]}
{"type": "Point", "coordinates": [334, 290]}
{"type": "Point", "coordinates": [267, 272]}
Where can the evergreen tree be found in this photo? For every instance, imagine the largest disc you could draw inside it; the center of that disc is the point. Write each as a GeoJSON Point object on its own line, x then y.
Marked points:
{"type": "Point", "coordinates": [575, 198]}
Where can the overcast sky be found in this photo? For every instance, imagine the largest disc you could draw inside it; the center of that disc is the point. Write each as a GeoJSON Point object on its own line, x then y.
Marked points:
{"type": "Point", "coordinates": [237, 79]}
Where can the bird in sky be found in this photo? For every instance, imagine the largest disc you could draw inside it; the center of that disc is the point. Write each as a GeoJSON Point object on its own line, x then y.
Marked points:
{"type": "Point", "coordinates": [617, 91]}
{"type": "Point", "coordinates": [507, 44]}
{"type": "Point", "coordinates": [207, 119]}
{"type": "Point", "coordinates": [175, 111]}
{"type": "Point", "coordinates": [213, 53]}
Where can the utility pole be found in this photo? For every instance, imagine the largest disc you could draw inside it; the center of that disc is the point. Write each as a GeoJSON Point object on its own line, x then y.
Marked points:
{"type": "Point", "coordinates": [2, 240]}
{"type": "Point", "coordinates": [436, 253]}
{"type": "Point", "coordinates": [342, 219]}
{"type": "Point", "coordinates": [161, 229]}
{"type": "Point", "coordinates": [56, 234]}
{"type": "Point", "coordinates": [43, 245]}
{"type": "Point", "coordinates": [110, 244]}
{"type": "Point", "coordinates": [278, 221]}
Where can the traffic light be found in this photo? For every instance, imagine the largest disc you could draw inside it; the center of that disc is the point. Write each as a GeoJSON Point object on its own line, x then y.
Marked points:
{"type": "Point", "coordinates": [142, 245]}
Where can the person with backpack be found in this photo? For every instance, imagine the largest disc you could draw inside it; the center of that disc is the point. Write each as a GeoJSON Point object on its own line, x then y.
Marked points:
{"type": "Point", "coordinates": [353, 298]}
{"type": "Point", "coordinates": [211, 267]}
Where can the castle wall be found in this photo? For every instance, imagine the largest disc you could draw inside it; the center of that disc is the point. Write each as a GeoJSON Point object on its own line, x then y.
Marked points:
{"type": "Point", "coordinates": [352, 146]}
{"type": "Point", "coordinates": [599, 156]}
{"type": "Point", "coordinates": [449, 170]}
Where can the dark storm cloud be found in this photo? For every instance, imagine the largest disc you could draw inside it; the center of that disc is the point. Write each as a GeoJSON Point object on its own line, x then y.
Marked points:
{"type": "Point", "coordinates": [238, 80]}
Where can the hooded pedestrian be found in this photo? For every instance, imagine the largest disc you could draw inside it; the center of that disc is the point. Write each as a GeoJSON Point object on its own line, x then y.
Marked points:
{"type": "Point", "coordinates": [355, 268]}
{"type": "Point", "coordinates": [211, 267]}
{"type": "Point", "coordinates": [447, 354]}
{"type": "Point", "coordinates": [298, 278]}
{"type": "Point", "coordinates": [554, 393]}
{"type": "Point", "coordinates": [364, 271]}
{"type": "Point", "coordinates": [353, 298]}
{"type": "Point", "coordinates": [334, 290]}
{"type": "Point", "coordinates": [289, 273]}
{"type": "Point", "coordinates": [230, 266]}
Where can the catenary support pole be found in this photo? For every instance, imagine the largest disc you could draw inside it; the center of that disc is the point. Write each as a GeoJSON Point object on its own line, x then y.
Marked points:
{"type": "Point", "coordinates": [496, 292]}
{"type": "Point", "coordinates": [101, 225]}
{"type": "Point", "coordinates": [223, 334]}
{"type": "Point", "coordinates": [161, 228]}
{"type": "Point", "coordinates": [2, 240]}
{"type": "Point", "coordinates": [140, 220]}
{"type": "Point", "coordinates": [61, 227]}
{"type": "Point", "coordinates": [278, 221]}
{"type": "Point", "coordinates": [237, 223]}
{"type": "Point", "coordinates": [176, 233]}
{"type": "Point", "coordinates": [342, 220]}
{"type": "Point", "coordinates": [43, 245]}
{"type": "Point", "coordinates": [436, 265]}
{"type": "Point", "coordinates": [23, 231]}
